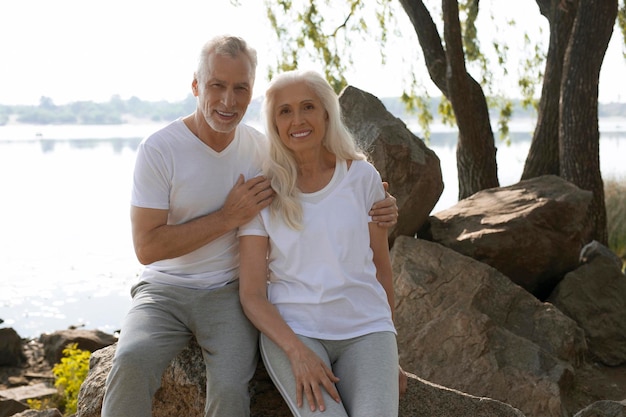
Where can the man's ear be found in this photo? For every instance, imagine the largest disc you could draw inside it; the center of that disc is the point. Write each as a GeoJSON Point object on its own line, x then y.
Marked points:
{"type": "Point", "coordinates": [194, 87]}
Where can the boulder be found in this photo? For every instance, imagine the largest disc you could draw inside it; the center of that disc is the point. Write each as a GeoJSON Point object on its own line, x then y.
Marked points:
{"type": "Point", "coordinates": [11, 352]}
{"type": "Point", "coordinates": [53, 412]}
{"type": "Point", "coordinates": [604, 409]}
{"type": "Point", "coordinates": [90, 340]}
{"type": "Point", "coordinates": [412, 170]}
{"type": "Point", "coordinates": [29, 391]}
{"type": "Point", "coordinates": [464, 325]}
{"type": "Point", "coordinates": [10, 407]}
{"type": "Point", "coordinates": [425, 399]}
{"type": "Point", "coordinates": [594, 249]}
{"type": "Point", "coordinates": [183, 389]}
{"type": "Point", "coordinates": [530, 231]}
{"type": "Point", "coordinates": [594, 295]}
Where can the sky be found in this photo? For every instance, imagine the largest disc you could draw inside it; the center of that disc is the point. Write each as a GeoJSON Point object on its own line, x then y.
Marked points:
{"type": "Point", "coordinates": [72, 50]}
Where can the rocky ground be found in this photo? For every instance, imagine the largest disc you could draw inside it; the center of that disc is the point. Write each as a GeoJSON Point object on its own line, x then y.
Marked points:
{"type": "Point", "coordinates": [593, 381]}
{"type": "Point", "coordinates": [35, 370]}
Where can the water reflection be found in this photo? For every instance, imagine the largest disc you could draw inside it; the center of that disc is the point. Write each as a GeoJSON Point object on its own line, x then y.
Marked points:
{"type": "Point", "coordinates": [47, 146]}
{"type": "Point", "coordinates": [117, 144]}
{"type": "Point", "coordinates": [66, 249]}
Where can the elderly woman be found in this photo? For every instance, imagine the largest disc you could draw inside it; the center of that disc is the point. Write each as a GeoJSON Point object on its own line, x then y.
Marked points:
{"type": "Point", "coordinates": [315, 274]}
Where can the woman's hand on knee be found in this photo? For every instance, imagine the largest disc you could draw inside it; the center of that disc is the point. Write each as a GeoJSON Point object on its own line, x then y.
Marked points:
{"type": "Point", "coordinates": [313, 376]}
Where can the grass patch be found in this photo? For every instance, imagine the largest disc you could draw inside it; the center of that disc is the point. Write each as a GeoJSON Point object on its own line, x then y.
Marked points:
{"type": "Point", "coordinates": [615, 200]}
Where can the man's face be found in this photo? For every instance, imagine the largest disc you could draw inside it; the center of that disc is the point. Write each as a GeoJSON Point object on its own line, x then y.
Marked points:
{"type": "Point", "coordinates": [226, 93]}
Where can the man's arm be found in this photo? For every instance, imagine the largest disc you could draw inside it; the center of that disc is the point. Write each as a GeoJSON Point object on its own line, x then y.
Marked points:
{"type": "Point", "coordinates": [155, 240]}
{"type": "Point", "coordinates": [385, 212]}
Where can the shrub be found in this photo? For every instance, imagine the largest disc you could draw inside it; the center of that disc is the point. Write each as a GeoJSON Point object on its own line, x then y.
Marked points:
{"type": "Point", "coordinates": [69, 374]}
{"type": "Point", "coordinates": [44, 404]}
{"type": "Point", "coordinates": [615, 200]}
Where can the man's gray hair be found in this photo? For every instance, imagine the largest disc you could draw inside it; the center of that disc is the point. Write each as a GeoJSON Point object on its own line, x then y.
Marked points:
{"type": "Point", "coordinates": [232, 46]}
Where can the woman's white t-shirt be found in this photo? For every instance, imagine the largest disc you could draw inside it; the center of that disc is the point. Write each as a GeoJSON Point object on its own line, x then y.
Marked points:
{"type": "Point", "coordinates": [322, 278]}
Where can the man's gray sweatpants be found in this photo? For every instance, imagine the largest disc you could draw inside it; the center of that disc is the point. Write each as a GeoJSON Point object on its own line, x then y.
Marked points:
{"type": "Point", "coordinates": [161, 322]}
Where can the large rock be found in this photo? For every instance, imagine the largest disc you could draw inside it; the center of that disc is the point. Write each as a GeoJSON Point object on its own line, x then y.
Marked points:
{"type": "Point", "coordinates": [29, 391]}
{"type": "Point", "coordinates": [91, 340]}
{"type": "Point", "coordinates": [425, 399]}
{"type": "Point", "coordinates": [10, 407]}
{"type": "Point", "coordinates": [604, 409]}
{"type": "Point", "coordinates": [594, 249]}
{"type": "Point", "coordinates": [531, 231]}
{"type": "Point", "coordinates": [594, 295]}
{"type": "Point", "coordinates": [464, 325]}
{"type": "Point", "coordinates": [53, 412]}
{"type": "Point", "coordinates": [11, 352]}
{"type": "Point", "coordinates": [183, 389]}
{"type": "Point", "coordinates": [412, 170]}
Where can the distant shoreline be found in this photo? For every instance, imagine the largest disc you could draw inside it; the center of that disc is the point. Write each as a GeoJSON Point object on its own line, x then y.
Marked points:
{"type": "Point", "coordinates": [134, 128]}
{"type": "Point", "coordinates": [619, 121]}
{"type": "Point", "coordinates": [26, 132]}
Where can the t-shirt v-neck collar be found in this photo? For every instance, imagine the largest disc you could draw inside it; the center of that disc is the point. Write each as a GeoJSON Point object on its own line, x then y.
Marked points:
{"type": "Point", "coordinates": [209, 149]}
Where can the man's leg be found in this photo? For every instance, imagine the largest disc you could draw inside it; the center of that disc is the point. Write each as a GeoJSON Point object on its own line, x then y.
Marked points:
{"type": "Point", "coordinates": [229, 345]}
{"type": "Point", "coordinates": [152, 334]}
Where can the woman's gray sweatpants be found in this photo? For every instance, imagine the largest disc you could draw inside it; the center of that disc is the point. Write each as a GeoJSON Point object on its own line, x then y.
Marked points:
{"type": "Point", "coordinates": [160, 323]}
{"type": "Point", "coordinates": [367, 367]}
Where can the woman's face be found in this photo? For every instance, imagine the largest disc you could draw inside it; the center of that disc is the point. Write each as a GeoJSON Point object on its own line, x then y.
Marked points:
{"type": "Point", "coordinates": [300, 118]}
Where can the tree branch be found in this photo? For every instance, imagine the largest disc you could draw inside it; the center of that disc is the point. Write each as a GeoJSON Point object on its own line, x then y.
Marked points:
{"type": "Point", "coordinates": [430, 41]}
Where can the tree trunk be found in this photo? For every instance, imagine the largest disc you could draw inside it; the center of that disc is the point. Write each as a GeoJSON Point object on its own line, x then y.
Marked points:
{"type": "Point", "coordinates": [543, 156]}
{"type": "Point", "coordinates": [476, 153]}
{"type": "Point", "coordinates": [579, 136]}
{"type": "Point", "coordinates": [430, 42]}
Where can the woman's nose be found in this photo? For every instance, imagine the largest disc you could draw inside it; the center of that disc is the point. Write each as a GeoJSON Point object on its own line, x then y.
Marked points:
{"type": "Point", "coordinates": [297, 118]}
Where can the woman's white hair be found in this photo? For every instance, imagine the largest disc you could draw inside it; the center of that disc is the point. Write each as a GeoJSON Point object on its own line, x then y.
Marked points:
{"type": "Point", "coordinates": [281, 167]}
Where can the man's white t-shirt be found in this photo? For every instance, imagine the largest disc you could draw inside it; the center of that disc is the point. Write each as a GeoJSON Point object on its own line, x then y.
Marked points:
{"type": "Point", "coordinates": [322, 277]}
{"type": "Point", "coordinates": [176, 171]}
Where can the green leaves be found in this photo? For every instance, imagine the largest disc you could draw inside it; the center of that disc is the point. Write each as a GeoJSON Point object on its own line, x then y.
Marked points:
{"type": "Point", "coordinates": [621, 21]}
{"type": "Point", "coordinates": [324, 33]}
{"type": "Point", "coordinates": [70, 373]}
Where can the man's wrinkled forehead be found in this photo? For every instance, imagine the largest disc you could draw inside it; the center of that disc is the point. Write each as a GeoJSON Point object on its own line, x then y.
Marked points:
{"type": "Point", "coordinates": [216, 68]}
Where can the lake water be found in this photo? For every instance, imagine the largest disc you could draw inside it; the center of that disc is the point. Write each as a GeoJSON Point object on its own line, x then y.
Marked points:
{"type": "Point", "coordinates": [65, 243]}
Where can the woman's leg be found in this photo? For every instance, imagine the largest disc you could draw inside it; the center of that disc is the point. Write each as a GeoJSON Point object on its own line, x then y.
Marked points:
{"type": "Point", "coordinates": [367, 367]}
{"type": "Point", "coordinates": [279, 369]}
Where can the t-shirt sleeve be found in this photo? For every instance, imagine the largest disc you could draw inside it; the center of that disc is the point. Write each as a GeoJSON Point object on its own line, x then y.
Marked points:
{"type": "Point", "coordinates": [254, 227]}
{"type": "Point", "coordinates": [375, 190]}
{"type": "Point", "coordinates": [151, 184]}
